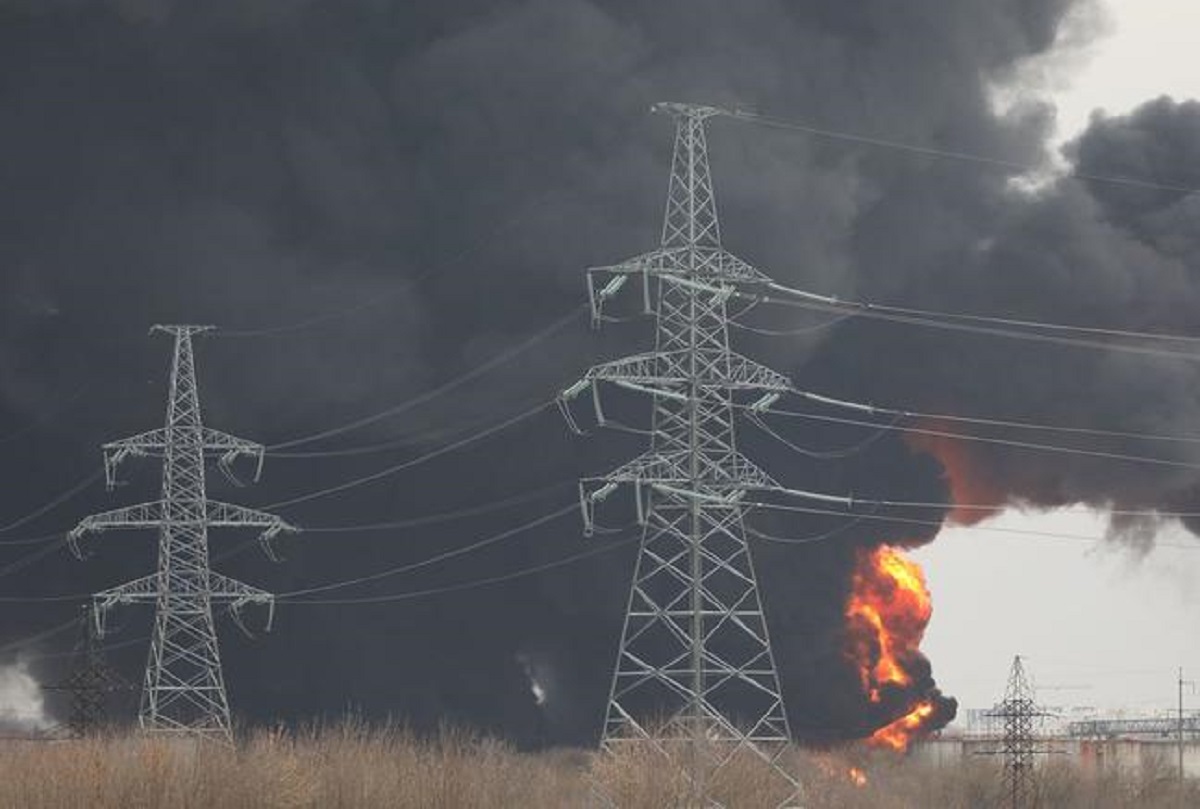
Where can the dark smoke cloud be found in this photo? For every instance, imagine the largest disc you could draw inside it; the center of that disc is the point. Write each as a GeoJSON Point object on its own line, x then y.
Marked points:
{"type": "Point", "coordinates": [442, 173]}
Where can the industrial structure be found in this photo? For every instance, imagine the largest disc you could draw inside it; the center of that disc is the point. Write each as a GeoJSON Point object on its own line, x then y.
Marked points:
{"type": "Point", "coordinates": [695, 679]}
{"type": "Point", "coordinates": [1018, 713]}
{"type": "Point", "coordinates": [91, 683]}
{"type": "Point", "coordinates": [184, 687]}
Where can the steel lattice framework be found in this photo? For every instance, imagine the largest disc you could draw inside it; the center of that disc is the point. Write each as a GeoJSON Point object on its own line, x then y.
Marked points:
{"type": "Point", "coordinates": [91, 683]}
{"type": "Point", "coordinates": [1019, 711]}
{"type": "Point", "coordinates": [184, 688]}
{"type": "Point", "coordinates": [695, 671]}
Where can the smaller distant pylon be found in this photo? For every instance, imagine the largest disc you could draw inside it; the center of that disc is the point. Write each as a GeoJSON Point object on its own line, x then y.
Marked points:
{"type": "Point", "coordinates": [1019, 710]}
{"type": "Point", "coordinates": [91, 684]}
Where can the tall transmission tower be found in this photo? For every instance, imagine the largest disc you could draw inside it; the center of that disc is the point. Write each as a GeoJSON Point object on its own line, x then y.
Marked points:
{"type": "Point", "coordinates": [184, 688]}
{"type": "Point", "coordinates": [1019, 710]}
{"type": "Point", "coordinates": [91, 683]}
{"type": "Point", "coordinates": [695, 671]}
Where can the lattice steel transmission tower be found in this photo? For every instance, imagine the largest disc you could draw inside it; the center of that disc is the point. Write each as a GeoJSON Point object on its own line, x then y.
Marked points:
{"type": "Point", "coordinates": [695, 678]}
{"type": "Point", "coordinates": [91, 683]}
{"type": "Point", "coordinates": [184, 688]}
{"type": "Point", "coordinates": [1019, 710]}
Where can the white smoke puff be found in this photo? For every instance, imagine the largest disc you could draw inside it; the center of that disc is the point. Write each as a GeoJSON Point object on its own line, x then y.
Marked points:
{"type": "Point", "coordinates": [21, 702]}
{"type": "Point", "coordinates": [537, 672]}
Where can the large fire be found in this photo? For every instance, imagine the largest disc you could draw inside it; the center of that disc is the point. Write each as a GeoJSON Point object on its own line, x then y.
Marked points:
{"type": "Point", "coordinates": [886, 615]}
{"type": "Point", "coordinates": [898, 734]}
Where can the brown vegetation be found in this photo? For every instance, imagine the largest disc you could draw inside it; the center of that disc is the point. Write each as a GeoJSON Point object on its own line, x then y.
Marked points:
{"type": "Point", "coordinates": [354, 767]}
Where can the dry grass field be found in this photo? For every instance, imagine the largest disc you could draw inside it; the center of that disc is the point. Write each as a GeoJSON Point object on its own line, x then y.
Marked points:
{"type": "Point", "coordinates": [353, 767]}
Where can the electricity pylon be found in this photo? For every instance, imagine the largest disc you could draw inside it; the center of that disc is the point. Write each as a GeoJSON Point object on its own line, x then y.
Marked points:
{"type": "Point", "coordinates": [91, 683]}
{"type": "Point", "coordinates": [1018, 710]}
{"type": "Point", "coordinates": [695, 671]}
{"type": "Point", "coordinates": [184, 688]}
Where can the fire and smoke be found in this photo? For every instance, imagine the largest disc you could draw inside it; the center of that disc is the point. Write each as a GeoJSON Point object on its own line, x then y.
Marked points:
{"type": "Point", "coordinates": [375, 137]}
{"type": "Point", "coordinates": [886, 614]}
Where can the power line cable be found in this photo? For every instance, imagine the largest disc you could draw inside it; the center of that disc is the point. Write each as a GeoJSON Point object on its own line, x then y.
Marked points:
{"type": "Point", "coordinates": [988, 422]}
{"type": "Point", "coordinates": [29, 559]}
{"type": "Point", "coordinates": [844, 452]}
{"type": "Point", "coordinates": [16, 645]}
{"type": "Point", "coordinates": [428, 456]}
{"type": "Point", "coordinates": [929, 151]}
{"type": "Point", "coordinates": [55, 502]}
{"type": "Point", "coordinates": [946, 321]}
{"type": "Point", "coordinates": [806, 540]}
{"type": "Point", "coordinates": [470, 585]}
{"type": "Point", "coordinates": [445, 387]}
{"type": "Point", "coordinates": [887, 518]}
{"type": "Point", "coordinates": [406, 442]}
{"type": "Point", "coordinates": [1027, 445]}
{"type": "Point", "coordinates": [38, 540]}
{"type": "Point", "coordinates": [794, 332]}
{"type": "Point", "coordinates": [445, 516]}
{"type": "Point", "coordinates": [450, 554]}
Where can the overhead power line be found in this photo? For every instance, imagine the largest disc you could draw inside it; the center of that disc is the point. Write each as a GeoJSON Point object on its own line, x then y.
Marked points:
{"type": "Point", "coordinates": [932, 151]}
{"type": "Point", "coordinates": [874, 409]}
{"type": "Point", "coordinates": [445, 387]}
{"type": "Point", "coordinates": [473, 584]}
{"type": "Point", "coordinates": [450, 554]}
{"type": "Point", "coordinates": [844, 452]}
{"type": "Point", "coordinates": [428, 456]}
{"type": "Point", "coordinates": [41, 539]}
{"type": "Point", "coordinates": [54, 503]}
{"type": "Point", "coordinates": [894, 426]}
{"type": "Point", "coordinates": [878, 505]}
{"type": "Point", "coordinates": [32, 558]}
{"type": "Point", "coordinates": [390, 445]}
{"type": "Point", "coordinates": [875, 516]}
{"type": "Point", "coordinates": [445, 516]}
{"type": "Point", "coordinates": [1055, 333]}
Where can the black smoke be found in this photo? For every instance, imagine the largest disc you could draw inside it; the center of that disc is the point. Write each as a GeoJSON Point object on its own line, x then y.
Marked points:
{"type": "Point", "coordinates": [416, 187]}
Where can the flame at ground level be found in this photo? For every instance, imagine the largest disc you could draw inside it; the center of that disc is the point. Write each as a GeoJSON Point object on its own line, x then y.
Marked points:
{"type": "Point", "coordinates": [886, 614]}
{"type": "Point", "coordinates": [898, 734]}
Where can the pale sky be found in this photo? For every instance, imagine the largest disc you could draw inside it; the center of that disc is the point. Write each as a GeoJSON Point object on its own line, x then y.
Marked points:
{"type": "Point", "coordinates": [1098, 625]}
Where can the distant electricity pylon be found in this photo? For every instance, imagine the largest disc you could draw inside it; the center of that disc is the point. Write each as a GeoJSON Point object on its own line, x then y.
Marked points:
{"type": "Point", "coordinates": [695, 671]}
{"type": "Point", "coordinates": [184, 689]}
{"type": "Point", "coordinates": [91, 683]}
{"type": "Point", "coordinates": [1018, 711]}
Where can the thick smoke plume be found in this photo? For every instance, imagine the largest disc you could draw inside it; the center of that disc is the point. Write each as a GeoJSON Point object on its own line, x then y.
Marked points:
{"type": "Point", "coordinates": [416, 187]}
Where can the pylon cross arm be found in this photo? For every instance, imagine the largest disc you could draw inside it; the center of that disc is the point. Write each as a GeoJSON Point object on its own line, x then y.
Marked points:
{"type": "Point", "coordinates": [139, 591]}
{"type": "Point", "coordinates": [730, 371]}
{"type": "Point", "coordinates": [231, 448]}
{"type": "Point", "coordinates": [713, 265]}
{"type": "Point", "coordinates": [227, 515]}
{"type": "Point", "coordinates": [143, 515]}
{"type": "Point", "coordinates": [236, 594]}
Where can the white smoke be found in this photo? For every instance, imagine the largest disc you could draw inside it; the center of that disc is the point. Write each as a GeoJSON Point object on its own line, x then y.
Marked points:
{"type": "Point", "coordinates": [22, 705]}
{"type": "Point", "coordinates": [538, 674]}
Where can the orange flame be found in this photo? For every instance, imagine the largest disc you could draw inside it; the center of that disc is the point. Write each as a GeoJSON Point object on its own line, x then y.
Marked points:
{"type": "Point", "coordinates": [886, 615]}
{"type": "Point", "coordinates": [898, 734]}
{"type": "Point", "coordinates": [857, 777]}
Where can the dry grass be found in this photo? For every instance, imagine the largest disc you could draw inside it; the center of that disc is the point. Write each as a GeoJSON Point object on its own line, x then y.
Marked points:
{"type": "Point", "coordinates": [353, 766]}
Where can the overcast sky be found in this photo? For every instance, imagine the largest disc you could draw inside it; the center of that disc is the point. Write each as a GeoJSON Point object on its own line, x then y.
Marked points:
{"type": "Point", "coordinates": [1071, 607]}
